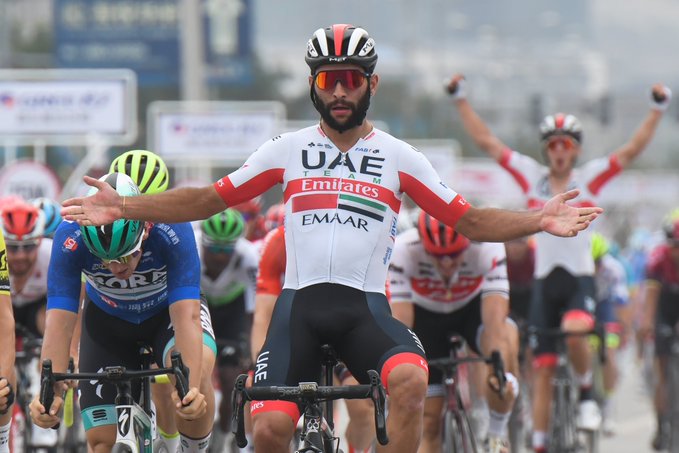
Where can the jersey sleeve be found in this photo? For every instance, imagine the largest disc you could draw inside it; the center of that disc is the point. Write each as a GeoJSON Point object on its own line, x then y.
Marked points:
{"type": "Point", "coordinates": [65, 269]}
{"type": "Point", "coordinates": [183, 264]}
{"type": "Point", "coordinates": [4, 267]}
{"type": "Point", "coordinates": [419, 181]}
{"type": "Point", "coordinates": [522, 168]}
{"type": "Point", "coordinates": [262, 170]}
{"type": "Point", "coordinates": [598, 172]}
{"type": "Point", "coordinates": [495, 280]}
{"type": "Point", "coordinates": [272, 263]}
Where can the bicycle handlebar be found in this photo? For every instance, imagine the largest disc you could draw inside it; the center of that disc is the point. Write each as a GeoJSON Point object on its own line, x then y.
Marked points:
{"type": "Point", "coordinates": [112, 374]}
{"type": "Point", "coordinates": [599, 331]}
{"type": "Point", "coordinates": [494, 360]}
{"type": "Point", "coordinates": [308, 393]}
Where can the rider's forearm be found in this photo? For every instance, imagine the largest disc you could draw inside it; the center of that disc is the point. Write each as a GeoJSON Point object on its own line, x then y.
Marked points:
{"type": "Point", "coordinates": [478, 130]}
{"type": "Point", "coordinates": [7, 344]}
{"type": "Point", "coordinates": [185, 316]}
{"type": "Point", "coordinates": [59, 327]}
{"type": "Point", "coordinates": [498, 225]}
{"type": "Point", "coordinates": [173, 206]}
{"type": "Point", "coordinates": [641, 138]}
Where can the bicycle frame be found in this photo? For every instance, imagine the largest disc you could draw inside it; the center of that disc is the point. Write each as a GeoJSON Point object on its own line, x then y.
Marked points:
{"type": "Point", "coordinates": [563, 431]}
{"type": "Point", "coordinates": [458, 435]}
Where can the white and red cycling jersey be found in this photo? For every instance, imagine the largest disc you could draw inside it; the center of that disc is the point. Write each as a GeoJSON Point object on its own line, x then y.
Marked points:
{"type": "Point", "coordinates": [341, 207]}
{"type": "Point", "coordinates": [414, 277]}
{"type": "Point", "coordinates": [35, 287]}
{"type": "Point", "coordinates": [573, 254]}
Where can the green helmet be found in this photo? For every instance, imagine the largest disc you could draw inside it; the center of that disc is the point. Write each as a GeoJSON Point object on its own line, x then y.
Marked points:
{"type": "Point", "coordinates": [225, 227]}
{"type": "Point", "coordinates": [120, 238]}
{"type": "Point", "coordinates": [146, 169]}
{"type": "Point", "coordinates": [600, 246]}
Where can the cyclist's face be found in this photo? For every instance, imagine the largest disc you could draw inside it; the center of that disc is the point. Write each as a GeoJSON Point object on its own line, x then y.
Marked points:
{"type": "Point", "coordinates": [121, 270]}
{"type": "Point", "coordinates": [448, 265]}
{"type": "Point", "coordinates": [22, 255]}
{"type": "Point", "coordinates": [344, 91]}
{"type": "Point", "coordinates": [562, 152]}
{"type": "Point", "coordinates": [216, 257]}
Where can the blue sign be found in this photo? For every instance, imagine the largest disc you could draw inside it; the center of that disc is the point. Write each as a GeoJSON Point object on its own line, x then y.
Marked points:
{"type": "Point", "coordinates": [228, 41]}
{"type": "Point", "coordinates": [142, 35]}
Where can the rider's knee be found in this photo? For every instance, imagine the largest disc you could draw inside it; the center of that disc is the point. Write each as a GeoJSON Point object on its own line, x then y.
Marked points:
{"type": "Point", "coordinates": [577, 321]}
{"type": "Point", "coordinates": [408, 386]}
{"type": "Point", "coordinates": [100, 441]}
{"type": "Point", "coordinates": [272, 427]}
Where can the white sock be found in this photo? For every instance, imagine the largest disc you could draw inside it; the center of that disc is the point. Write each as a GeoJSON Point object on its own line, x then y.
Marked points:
{"type": "Point", "coordinates": [539, 439]}
{"type": "Point", "coordinates": [189, 445]}
{"type": "Point", "coordinates": [585, 380]}
{"type": "Point", "coordinates": [171, 441]}
{"type": "Point", "coordinates": [4, 437]}
{"type": "Point", "coordinates": [497, 426]}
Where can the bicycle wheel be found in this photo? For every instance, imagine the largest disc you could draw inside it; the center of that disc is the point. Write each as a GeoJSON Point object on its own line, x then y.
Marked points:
{"type": "Point", "coordinates": [673, 400]}
{"type": "Point", "coordinates": [121, 448]}
{"type": "Point", "coordinates": [516, 426]}
{"type": "Point", "coordinates": [451, 438]}
{"type": "Point", "coordinates": [563, 435]}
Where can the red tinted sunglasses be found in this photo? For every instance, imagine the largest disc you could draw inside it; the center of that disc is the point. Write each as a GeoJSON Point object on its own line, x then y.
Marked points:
{"type": "Point", "coordinates": [566, 142]}
{"type": "Point", "coordinates": [350, 79]}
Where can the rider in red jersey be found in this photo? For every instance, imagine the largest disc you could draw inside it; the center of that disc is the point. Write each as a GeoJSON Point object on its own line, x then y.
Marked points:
{"type": "Point", "coordinates": [660, 320]}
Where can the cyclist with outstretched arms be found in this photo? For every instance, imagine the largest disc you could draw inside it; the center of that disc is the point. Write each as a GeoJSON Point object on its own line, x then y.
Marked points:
{"type": "Point", "coordinates": [143, 289]}
{"type": "Point", "coordinates": [443, 284]}
{"type": "Point", "coordinates": [7, 354]}
{"type": "Point", "coordinates": [343, 181]}
{"type": "Point", "coordinates": [564, 288]}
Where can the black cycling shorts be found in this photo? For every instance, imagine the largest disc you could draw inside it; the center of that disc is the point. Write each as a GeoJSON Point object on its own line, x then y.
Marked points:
{"type": "Point", "coordinates": [232, 325]}
{"type": "Point", "coordinates": [553, 296]}
{"type": "Point", "coordinates": [434, 330]}
{"type": "Point", "coordinates": [110, 341]}
{"type": "Point", "coordinates": [666, 319]}
{"type": "Point", "coordinates": [357, 324]}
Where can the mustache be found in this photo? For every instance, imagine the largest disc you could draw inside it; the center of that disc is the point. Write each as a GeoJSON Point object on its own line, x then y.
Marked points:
{"type": "Point", "coordinates": [340, 103]}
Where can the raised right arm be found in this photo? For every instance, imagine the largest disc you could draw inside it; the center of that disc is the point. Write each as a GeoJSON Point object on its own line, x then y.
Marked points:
{"type": "Point", "coordinates": [472, 122]}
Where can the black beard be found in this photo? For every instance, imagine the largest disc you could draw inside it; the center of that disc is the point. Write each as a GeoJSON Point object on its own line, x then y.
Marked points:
{"type": "Point", "coordinates": [356, 118]}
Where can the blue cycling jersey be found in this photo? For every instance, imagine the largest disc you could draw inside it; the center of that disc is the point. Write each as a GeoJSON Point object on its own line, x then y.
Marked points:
{"type": "Point", "coordinates": [168, 271]}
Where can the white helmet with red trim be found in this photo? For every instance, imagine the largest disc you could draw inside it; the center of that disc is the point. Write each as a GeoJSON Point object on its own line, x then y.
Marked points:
{"type": "Point", "coordinates": [341, 43]}
{"type": "Point", "coordinates": [560, 124]}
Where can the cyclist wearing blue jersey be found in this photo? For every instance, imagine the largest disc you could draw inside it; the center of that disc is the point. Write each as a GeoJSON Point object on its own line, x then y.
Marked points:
{"type": "Point", "coordinates": [343, 182]}
{"type": "Point", "coordinates": [142, 289]}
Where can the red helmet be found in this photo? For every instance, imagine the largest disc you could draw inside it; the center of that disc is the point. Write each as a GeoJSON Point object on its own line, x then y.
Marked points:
{"type": "Point", "coordinates": [438, 238]}
{"type": "Point", "coordinates": [22, 221]}
{"type": "Point", "coordinates": [275, 216]}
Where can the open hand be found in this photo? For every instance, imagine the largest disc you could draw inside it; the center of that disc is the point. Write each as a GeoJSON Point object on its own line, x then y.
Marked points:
{"type": "Point", "coordinates": [560, 219]}
{"type": "Point", "coordinates": [101, 208]}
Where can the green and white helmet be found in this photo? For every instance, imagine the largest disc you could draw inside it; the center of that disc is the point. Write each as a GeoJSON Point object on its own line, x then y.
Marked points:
{"type": "Point", "coordinates": [122, 237]}
{"type": "Point", "coordinates": [224, 227]}
{"type": "Point", "coordinates": [146, 169]}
